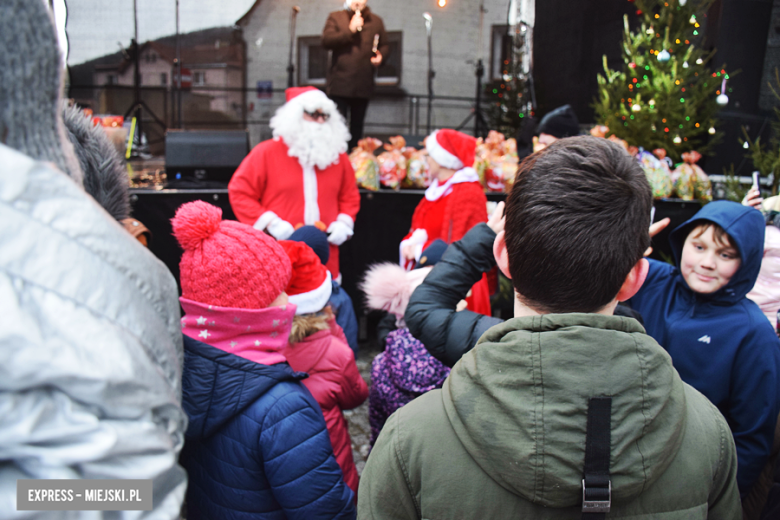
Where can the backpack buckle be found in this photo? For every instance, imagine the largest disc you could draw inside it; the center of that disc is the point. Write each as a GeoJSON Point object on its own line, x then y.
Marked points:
{"type": "Point", "coordinates": [597, 498]}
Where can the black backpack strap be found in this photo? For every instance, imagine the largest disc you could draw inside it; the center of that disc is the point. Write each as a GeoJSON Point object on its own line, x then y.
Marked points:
{"type": "Point", "coordinates": [596, 484]}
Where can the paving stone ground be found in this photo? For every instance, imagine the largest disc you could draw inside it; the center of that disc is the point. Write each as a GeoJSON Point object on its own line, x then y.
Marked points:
{"type": "Point", "coordinates": [357, 419]}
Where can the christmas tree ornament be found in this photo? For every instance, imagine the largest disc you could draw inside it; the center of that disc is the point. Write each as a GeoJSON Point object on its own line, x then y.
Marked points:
{"type": "Point", "coordinates": [632, 65]}
{"type": "Point", "coordinates": [699, 61]}
{"type": "Point", "coordinates": [651, 31]}
{"type": "Point", "coordinates": [685, 64]}
{"type": "Point", "coordinates": [711, 130]}
{"type": "Point", "coordinates": [683, 2]}
{"type": "Point", "coordinates": [722, 99]}
{"type": "Point", "coordinates": [636, 108]}
{"type": "Point", "coordinates": [677, 139]}
{"type": "Point", "coordinates": [692, 21]}
{"type": "Point", "coordinates": [664, 56]}
{"type": "Point", "coordinates": [651, 102]}
{"type": "Point", "coordinates": [746, 145]}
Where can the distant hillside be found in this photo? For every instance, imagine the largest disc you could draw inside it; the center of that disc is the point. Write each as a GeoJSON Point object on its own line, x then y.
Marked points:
{"type": "Point", "coordinates": [81, 74]}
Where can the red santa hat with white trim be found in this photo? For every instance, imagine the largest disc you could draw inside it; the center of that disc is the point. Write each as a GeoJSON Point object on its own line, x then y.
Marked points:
{"type": "Point", "coordinates": [310, 286]}
{"type": "Point", "coordinates": [451, 149]}
{"type": "Point", "coordinates": [310, 98]}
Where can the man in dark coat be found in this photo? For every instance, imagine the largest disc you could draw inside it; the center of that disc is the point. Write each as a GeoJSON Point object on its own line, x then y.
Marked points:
{"type": "Point", "coordinates": [350, 33]}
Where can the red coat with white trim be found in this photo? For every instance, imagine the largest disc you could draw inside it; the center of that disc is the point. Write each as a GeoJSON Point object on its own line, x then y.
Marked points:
{"type": "Point", "coordinates": [268, 179]}
{"type": "Point", "coordinates": [336, 385]}
{"type": "Point", "coordinates": [451, 216]}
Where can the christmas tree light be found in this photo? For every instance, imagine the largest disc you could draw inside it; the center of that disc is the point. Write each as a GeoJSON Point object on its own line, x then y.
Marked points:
{"type": "Point", "coordinates": [664, 61]}
{"type": "Point", "coordinates": [508, 98]}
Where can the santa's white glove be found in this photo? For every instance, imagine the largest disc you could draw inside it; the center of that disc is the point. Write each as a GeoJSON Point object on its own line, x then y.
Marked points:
{"type": "Point", "coordinates": [339, 232]}
{"type": "Point", "coordinates": [280, 229]}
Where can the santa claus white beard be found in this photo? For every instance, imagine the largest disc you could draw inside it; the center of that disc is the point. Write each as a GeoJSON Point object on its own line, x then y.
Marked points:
{"type": "Point", "coordinates": [315, 144]}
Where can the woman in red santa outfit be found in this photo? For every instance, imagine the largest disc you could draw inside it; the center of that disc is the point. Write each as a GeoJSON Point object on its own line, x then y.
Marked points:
{"type": "Point", "coordinates": [453, 204]}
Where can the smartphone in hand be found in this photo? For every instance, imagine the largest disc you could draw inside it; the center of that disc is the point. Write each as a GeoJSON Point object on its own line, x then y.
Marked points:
{"type": "Point", "coordinates": [376, 43]}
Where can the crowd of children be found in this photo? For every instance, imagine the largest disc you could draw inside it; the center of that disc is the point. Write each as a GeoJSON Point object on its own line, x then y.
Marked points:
{"type": "Point", "coordinates": [693, 393]}
{"type": "Point", "coordinates": [622, 385]}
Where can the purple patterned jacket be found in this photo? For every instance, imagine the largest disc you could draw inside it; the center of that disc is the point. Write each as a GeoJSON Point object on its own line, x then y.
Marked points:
{"type": "Point", "coordinates": [404, 371]}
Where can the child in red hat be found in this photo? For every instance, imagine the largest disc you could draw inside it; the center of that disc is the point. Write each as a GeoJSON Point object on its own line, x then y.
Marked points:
{"type": "Point", "coordinates": [256, 444]}
{"type": "Point", "coordinates": [314, 348]}
{"type": "Point", "coordinates": [453, 203]}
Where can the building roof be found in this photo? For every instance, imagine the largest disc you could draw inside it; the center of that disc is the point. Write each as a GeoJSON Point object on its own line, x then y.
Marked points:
{"type": "Point", "coordinates": [216, 45]}
{"type": "Point", "coordinates": [241, 21]}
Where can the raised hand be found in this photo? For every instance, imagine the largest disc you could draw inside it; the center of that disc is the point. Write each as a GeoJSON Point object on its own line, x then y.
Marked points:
{"type": "Point", "coordinates": [356, 23]}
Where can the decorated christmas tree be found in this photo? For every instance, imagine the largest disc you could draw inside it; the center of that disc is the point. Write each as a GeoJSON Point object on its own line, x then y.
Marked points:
{"type": "Point", "coordinates": [666, 95]}
{"type": "Point", "coordinates": [766, 157]}
{"type": "Point", "coordinates": [507, 100]}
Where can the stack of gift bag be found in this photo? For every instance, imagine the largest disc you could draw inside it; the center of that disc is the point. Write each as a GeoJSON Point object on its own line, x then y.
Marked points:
{"type": "Point", "coordinates": [687, 182]}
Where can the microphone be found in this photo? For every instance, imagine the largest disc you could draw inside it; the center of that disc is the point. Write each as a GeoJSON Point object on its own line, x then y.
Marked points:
{"type": "Point", "coordinates": [428, 20]}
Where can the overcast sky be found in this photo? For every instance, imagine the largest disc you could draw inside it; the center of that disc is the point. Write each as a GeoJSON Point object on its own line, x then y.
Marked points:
{"type": "Point", "coordinates": [95, 26]}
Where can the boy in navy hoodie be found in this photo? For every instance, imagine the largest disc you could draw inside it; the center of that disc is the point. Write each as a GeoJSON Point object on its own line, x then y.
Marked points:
{"type": "Point", "coordinates": [719, 341]}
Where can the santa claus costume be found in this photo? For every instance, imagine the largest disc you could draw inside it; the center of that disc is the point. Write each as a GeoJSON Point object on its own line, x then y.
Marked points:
{"type": "Point", "coordinates": [452, 207]}
{"type": "Point", "coordinates": [300, 177]}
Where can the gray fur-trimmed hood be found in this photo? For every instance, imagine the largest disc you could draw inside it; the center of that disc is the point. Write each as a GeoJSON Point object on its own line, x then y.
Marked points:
{"type": "Point", "coordinates": [105, 177]}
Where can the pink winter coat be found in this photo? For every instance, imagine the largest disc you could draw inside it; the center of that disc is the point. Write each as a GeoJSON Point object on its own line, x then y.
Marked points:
{"type": "Point", "coordinates": [766, 292]}
{"type": "Point", "coordinates": [336, 385]}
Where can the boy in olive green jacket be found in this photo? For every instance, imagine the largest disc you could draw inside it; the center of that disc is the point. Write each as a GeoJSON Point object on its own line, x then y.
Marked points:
{"type": "Point", "coordinates": [506, 436]}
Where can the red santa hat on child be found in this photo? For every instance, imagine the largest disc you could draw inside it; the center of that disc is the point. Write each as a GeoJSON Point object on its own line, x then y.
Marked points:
{"type": "Point", "coordinates": [310, 98]}
{"type": "Point", "coordinates": [310, 285]}
{"type": "Point", "coordinates": [451, 149]}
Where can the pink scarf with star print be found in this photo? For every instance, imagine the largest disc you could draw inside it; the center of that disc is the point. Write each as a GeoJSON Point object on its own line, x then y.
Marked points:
{"type": "Point", "coordinates": [258, 335]}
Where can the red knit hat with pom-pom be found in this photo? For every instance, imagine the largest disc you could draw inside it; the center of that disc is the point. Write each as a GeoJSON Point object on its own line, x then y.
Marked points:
{"type": "Point", "coordinates": [226, 263]}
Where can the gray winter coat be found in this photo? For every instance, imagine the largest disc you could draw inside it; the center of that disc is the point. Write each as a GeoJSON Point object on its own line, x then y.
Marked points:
{"type": "Point", "coordinates": [90, 345]}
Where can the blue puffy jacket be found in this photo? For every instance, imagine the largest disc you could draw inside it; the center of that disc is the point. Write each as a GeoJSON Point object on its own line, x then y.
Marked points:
{"type": "Point", "coordinates": [721, 343]}
{"type": "Point", "coordinates": [256, 446]}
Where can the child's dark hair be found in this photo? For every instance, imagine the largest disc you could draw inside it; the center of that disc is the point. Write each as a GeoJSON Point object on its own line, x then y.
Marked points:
{"type": "Point", "coordinates": [577, 221]}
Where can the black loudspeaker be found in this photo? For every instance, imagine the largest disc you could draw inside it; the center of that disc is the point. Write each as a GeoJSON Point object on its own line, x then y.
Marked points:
{"type": "Point", "coordinates": [156, 209]}
{"type": "Point", "coordinates": [204, 155]}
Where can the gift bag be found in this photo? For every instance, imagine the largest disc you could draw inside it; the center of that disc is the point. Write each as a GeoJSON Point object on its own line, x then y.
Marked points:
{"type": "Point", "coordinates": [417, 175]}
{"type": "Point", "coordinates": [365, 164]}
{"type": "Point", "coordinates": [659, 178]}
{"type": "Point", "coordinates": [690, 180]}
{"type": "Point", "coordinates": [496, 161]}
{"type": "Point", "coordinates": [599, 131]}
{"type": "Point", "coordinates": [392, 163]}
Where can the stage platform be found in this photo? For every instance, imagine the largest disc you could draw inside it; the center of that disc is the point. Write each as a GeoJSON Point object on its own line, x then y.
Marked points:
{"type": "Point", "coordinates": [384, 219]}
